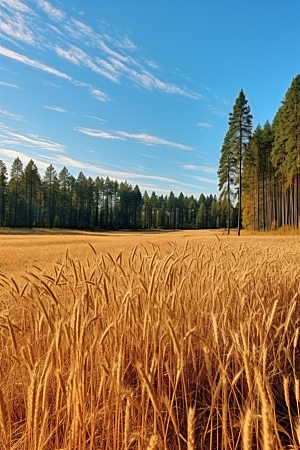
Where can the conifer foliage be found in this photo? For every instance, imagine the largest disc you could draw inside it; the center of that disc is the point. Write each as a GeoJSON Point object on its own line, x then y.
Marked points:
{"type": "Point", "coordinates": [234, 148]}
{"type": "Point", "coordinates": [60, 200]}
{"type": "Point", "coordinates": [267, 163]}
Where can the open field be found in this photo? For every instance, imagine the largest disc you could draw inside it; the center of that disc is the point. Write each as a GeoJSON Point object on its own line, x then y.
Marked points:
{"type": "Point", "coordinates": [171, 340]}
{"type": "Point", "coordinates": [22, 248]}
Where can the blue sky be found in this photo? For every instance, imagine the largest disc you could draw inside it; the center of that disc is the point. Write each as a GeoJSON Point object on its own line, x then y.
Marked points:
{"type": "Point", "coordinates": [139, 90]}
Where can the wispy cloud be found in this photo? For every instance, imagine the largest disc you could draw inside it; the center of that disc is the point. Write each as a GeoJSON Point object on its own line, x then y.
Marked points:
{"type": "Point", "coordinates": [127, 43]}
{"type": "Point", "coordinates": [149, 81]}
{"type": "Point", "coordinates": [151, 140]}
{"type": "Point", "coordinates": [216, 110]}
{"type": "Point", "coordinates": [49, 83]}
{"type": "Point", "coordinates": [8, 136]}
{"type": "Point", "coordinates": [95, 118]}
{"type": "Point", "coordinates": [144, 138]}
{"type": "Point", "coordinates": [98, 133]}
{"type": "Point", "coordinates": [16, 5]}
{"type": "Point", "coordinates": [104, 54]}
{"type": "Point", "coordinates": [10, 85]}
{"type": "Point", "coordinates": [206, 180]}
{"type": "Point", "coordinates": [4, 112]}
{"type": "Point", "coordinates": [16, 27]}
{"type": "Point", "coordinates": [204, 125]}
{"type": "Point", "coordinates": [53, 12]}
{"type": "Point", "coordinates": [56, 108]}
{"type": "Point", "coordinates": [21, 58]}
{"type": "Point", "coordinates": [99, 95]}
{"type": "Point", "coordinates": [150, 156]}
{"type": "Point", "coordinates": [12, 154]}
{"type": "Point", "coordinates": [115, 63]}
{"type": "Point", "coordinates": [132, 177]}
{"type": "Point", "coordinates": [222, 100]}
{"type": "Point", "coordinates": [77, 56]}
{"type": "Point", "coordinates": [205, 169]}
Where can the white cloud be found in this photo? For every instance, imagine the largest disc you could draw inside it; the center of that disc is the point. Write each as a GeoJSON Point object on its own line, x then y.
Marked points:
{"type": "Point", "coordinates": [25, 158]}
{"type": "Point", "coordinates": [49, 83]}
{"type": "Point", "coordinates": [119, 63]}
{"type": "Point", "coordinates": [19, 57]}
{"type": "Point", "coordinates": [152, 64]}
{"type": "Point", "coordinates": [55, 29]}
{"type": "Point", "coordinates": [99, 95]}
{"type": "Point", "coordinates": [206, 180]}
{"type": "Point", "coordinates": [53, 12]}
{"type": "Point", "coordinates": [119, 175]}
{"type": "Point", "coordinates": [93, 117]}
{"type": "Point", "coordinates": [66, 54]}
{"type": "Point", "coordinates": [16, 5]}
{"type": "Point", "coordinates": [56, 108]}
{"type": "Point", "coordinates": [150, 82]}
{"type": "Point", "coordinates": [152, 140]}
{"type": "Point", "coordinates": [222, 100]}
{"type": "Point", "coordinates": [78, 57]}
{"type": "Point", "coordinates": [144, 138]}
{"type": "Point", "coordinates": [204, 125]}
{"type": "Point", "coordinates": [150, 156]}
{"type": "Point", "coordinates": [9, 136]}
{"type": "Point", "coordinates": [10, 85]}
{"type": "Point", "coordinates": [98, 133]}
{"type": "Point", "coordinates": [6, 113]}
{"type": "Point", "coordinates": [16, 27]}
{"type": "Point", "coordinates": [206, 169]}
{"type": "Point", "coordinates": [127, 43]}
{"type": "Point", "coordinates": [216, 110]}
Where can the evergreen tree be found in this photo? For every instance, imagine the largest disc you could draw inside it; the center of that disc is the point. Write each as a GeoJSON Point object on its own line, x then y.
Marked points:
{"type": "Point", "coordinates": [240, 125]}
{"type": "Point", "coordinates": [227, 173]}
{"type": "Point", "coordinates": [3, 192]}
{"type": "Point", "coordinates": [171, 206]}
{"type": "Point", "coordinates": [286, 155]}
{"type": "Point", "coordinates": [51, 189]}
{"type": "Point", "coordinates": [31, 183]}
{"type": "Point", "coordinates": [137, 207]}
{"type": "Point", "coordinates": [14, 187]}
{"type": "Point", "coordinates": [65, 198]}
{"type": "Point", "coordinates": [201, 216]}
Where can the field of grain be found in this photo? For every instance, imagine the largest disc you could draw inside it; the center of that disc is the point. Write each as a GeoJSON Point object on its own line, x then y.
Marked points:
{"type": "Point", "coordinates": [183, 340]}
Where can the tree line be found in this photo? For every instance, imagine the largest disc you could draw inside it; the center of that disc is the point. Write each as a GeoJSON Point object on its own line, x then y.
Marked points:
{"type": "Point", "coordinates": [60, 200]}
{"type": "Point", "coordinates": [261, 168]}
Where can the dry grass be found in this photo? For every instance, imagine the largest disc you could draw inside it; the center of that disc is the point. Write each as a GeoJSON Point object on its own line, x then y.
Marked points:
{"type": "Point", "coordinates": [169, 343]}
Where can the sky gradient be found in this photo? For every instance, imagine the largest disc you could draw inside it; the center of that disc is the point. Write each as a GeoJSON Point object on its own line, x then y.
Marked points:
{"type": "Point", "coordinates": [139, 90]}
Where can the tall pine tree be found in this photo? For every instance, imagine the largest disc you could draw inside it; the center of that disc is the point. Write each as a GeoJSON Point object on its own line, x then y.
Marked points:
{"type": "Point", "coordinates": [227, 173]}
{"type": "Point", "coordinates": [240, 125]}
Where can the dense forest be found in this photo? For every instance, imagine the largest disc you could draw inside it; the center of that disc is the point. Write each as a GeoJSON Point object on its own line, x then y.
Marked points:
{"type": "Point", "coordinates": [258, 181]}
{"type": "Point", "coordinates": [61, 200]}
{"type": "Point", "coordinates": [262, 167]}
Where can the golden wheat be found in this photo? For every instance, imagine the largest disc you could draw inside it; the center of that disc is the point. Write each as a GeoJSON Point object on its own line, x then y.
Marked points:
{"type": "Point", "coordinates": [110, 345]}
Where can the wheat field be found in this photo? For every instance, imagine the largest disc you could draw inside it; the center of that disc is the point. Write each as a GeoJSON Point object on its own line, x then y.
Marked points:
{"type": "Point", "coordinates": [184, 340]}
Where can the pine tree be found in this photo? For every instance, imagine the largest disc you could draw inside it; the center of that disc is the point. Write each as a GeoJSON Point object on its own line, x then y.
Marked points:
{"type": "Point", "coordinates": [14, 187]}
{"type": "Point", "coordinates": [31, 183]}
{"type": "Point", "coordinates": [65, 200]}
{"type": "Point", "coordinates": [201, 216]}
{"type": "Point", "coordinates": [240, 125]}
{"type": "Point", "coordinates": [253, 168]}
{"type": "Point", "coordinates": [227, 173]}
{"type": "Point", "coordinates": [51, 187]}
{"type": "Point", "coordinates": [285, 155]}
{"type": "Point", "coordinates": [3, 192]}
